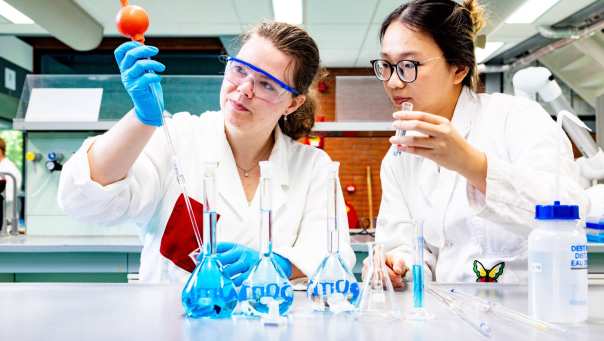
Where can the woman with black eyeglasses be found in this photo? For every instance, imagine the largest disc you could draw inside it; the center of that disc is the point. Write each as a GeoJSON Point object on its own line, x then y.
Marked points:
{"type": "Point", "coordinates": [471, 166]}
{"type": "Point", "coordinates": [126, 174]}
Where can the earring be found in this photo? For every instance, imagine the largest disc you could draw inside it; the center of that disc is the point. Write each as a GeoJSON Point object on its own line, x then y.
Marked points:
{"type": "Point", "coordinates": [285, 118]}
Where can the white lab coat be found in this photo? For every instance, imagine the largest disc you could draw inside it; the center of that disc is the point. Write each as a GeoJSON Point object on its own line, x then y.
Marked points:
{"type": "Point", "coordinates": [461, 225]}
{"type": "Point", "coordinates": [149, 193]}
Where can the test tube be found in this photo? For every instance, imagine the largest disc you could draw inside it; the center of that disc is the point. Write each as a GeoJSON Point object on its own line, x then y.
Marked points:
{"type": "Point", "coordinates": [406, 106]}
{"type": "Point", "coordinates": [418, 266]}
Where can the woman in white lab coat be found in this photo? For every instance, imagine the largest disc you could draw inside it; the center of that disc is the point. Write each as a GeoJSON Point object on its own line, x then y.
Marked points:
{"type": "Point", "coordinates": [472, 166]}
{"type": "Point", "coordinates": [126, 173]}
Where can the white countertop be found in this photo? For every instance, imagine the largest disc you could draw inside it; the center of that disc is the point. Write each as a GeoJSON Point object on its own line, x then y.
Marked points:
{"type": "Point", "coordinates": [154, 312]}
{"type": "Point", "coordinates": [24, 243]}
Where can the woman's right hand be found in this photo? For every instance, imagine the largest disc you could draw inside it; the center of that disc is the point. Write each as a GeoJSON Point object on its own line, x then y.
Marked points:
{"type": "Point", "coordinates": [396, 270]}
{"type": "Point", "coordinates": [139, 76]}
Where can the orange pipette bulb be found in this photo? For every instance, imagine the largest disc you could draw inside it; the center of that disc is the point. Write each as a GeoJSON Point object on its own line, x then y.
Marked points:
{"type": "Point", "coordinates": [132, 21]}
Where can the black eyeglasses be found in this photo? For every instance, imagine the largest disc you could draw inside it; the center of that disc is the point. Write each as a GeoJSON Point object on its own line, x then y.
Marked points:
{"type": "Point", "coordinates": [406, 69]}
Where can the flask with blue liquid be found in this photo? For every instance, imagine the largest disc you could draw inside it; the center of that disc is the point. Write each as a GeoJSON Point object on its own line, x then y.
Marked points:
{"type": "Point", "coordinates": [267, 290]}
{"type": "Point", "coordinates": [333, 286]}
{"type": "Point", "coordinates": [208, 293]}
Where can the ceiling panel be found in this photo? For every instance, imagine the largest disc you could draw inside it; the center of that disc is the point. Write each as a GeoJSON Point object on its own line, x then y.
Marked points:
{"type": "Point", "coordinates": [252, 12]}
{"type": "Point", "coordinates": [338, 11]}
{"type": "Point", "coordinates": [164, 14]}
{"type": "Point", "coordinates": [346, 31]}
{"type": "Point", "coordinates": [512, 34]}
{"type": "Point", "coordinates": [338, 36]}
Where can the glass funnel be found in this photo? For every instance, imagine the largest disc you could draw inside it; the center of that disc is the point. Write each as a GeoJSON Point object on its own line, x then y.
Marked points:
{"type": "Point", "coordinates": [333, 286]}
{"type": "Point", "coordinates": [208, 293]}
{"type": "Point", "coordinates": [377, 297]}
{"type": "Point", "coordinates": [267, 290]}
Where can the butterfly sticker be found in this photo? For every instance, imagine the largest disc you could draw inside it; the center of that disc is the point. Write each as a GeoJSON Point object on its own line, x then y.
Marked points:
{"type": "Point", "coordinates": [488, 276]}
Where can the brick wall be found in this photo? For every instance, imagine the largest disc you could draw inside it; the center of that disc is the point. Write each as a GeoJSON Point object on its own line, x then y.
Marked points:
{"type": "Point", "coordinates": [354, 153]}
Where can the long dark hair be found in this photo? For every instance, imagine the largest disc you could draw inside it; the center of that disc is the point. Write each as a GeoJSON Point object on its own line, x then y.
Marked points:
{"type": "Point", "coordinates": [453, 27]}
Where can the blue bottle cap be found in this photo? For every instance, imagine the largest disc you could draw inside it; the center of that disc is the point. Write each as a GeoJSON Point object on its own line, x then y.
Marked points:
{"type": "Point", "coordinates": [556, 212]}
{"type": "Point", "coordinates": [595, 225]}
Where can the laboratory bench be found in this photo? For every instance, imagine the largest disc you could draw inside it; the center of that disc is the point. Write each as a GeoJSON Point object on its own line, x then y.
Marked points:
{"type": "Point", "coordinates": [69, 258]}
{"type": "Point", "coordinates": [153, 312]}
{"type": "Point", "coordinates": [26, 258]}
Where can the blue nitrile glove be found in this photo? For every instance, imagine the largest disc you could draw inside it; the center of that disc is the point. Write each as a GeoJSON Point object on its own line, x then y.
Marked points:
{"type": "Point", "coordinates": [238, 261]}
{"type": "Point", "coordinates": [138, 75]}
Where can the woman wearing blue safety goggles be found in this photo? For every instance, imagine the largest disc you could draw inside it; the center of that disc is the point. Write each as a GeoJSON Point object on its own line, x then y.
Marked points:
{"type": "Point", "coordinates": [265, 106]}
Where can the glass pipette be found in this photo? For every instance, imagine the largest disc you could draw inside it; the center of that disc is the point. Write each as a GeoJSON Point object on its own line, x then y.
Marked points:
{"type": "Point", "coordinates": [133, 25]}
{"type": "Point", "coordinates": [180, 177]}
{"type": "Point", "coordinates": [480, 326]}
{"type": "Point", "coordinates": [496, 308]}
{"type": "Point", "coordinates": [407, 106]}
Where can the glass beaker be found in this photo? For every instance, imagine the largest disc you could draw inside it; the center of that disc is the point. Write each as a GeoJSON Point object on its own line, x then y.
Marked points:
{"type": "Point", "coordinates": [377, 297]}
{"type": "Point", "coordinates": [333, 286]}
{"type": "Point", "coordinates": [209, 293]}
{"type": "Point", "coordinates": [267, 291]}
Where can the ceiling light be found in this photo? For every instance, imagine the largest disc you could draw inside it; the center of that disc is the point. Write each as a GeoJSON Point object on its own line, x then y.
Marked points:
{"type": "Point", "coordinates": [289, 11]}
{"type": "Point", "coordinates": [13, 15]}
{"type": "Point", "coordinates": [530, 11]}
{"type": "Point", "coordinates": [487, 51]}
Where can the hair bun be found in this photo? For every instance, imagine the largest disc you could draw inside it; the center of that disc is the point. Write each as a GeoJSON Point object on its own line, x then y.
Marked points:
{"type": "Point", "coordinates": [477, 13]}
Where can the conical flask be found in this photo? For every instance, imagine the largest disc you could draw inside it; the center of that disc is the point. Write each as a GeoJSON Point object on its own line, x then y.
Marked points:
{"type": "Point", "coordinates": [208, 293]}
{"type": "Point", "coordinates": [267, 290]}
{"type": "Point", "coordinates": [377, 297]}
{"type": "Point", "coordinates": [333, 286]}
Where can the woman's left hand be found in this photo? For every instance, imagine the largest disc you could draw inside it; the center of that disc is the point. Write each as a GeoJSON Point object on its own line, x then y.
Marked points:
{"type": "Point", "coordinates": [441, 143]}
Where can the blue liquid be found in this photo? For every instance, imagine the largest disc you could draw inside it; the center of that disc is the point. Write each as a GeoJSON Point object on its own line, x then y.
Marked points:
{"type": "Point", "coordinates": [418, 286]}
{"type": "Point", "coordinates": [208, 293]}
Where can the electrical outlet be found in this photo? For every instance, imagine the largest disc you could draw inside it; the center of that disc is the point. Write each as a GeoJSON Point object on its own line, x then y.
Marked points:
{"type": "Point", "coordinates": [10, 79]}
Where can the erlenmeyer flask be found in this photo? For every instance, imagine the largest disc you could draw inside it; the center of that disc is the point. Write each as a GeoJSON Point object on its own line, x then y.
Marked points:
{"type": "Point", "coordinates": [377, 296]}
{"type": "Point", "coordinates": [333, 286]}
{"type": "Point", "coordinates": [208, 293]}
{"type": "Point", "coordinates": [267, 290]}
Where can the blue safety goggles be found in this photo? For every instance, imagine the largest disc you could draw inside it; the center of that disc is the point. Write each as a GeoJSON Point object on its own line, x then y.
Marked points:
{"type": "Point", "coordinates": [263, 73]}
